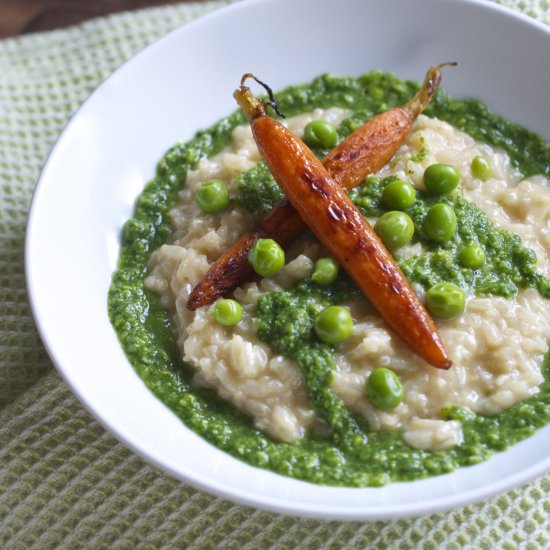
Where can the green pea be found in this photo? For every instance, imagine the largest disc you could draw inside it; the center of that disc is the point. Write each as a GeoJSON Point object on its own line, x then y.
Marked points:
{"type": "Point", "coordinates": [445, 300]}
{"type": "Point", "coordinates": [266, 257]}
{"type": "Point", "coordinates": [320, 132]}
{"type": "Point", "coordinates": [395, 228]}
{"type": "Point", "coordinates": [384, 389]}
{"type": "Point", "coordinates": [334, 325]}
{"type": "Point", "coordinates": [440, 178]}
{"type": "Point", "coordinates": [212, 196]}
{"type": "Point", "coordinates": [325, 271]}
{"type": "Point", "coordinates": [227, 312]}
{"type": "Point", "coordinates": [376, 93]}
{"type": "Point", "coordinates": [481, 168]}
{"type": "Point", "coordinates": [399, 195]}
{"type": "Point", "coordinates": [472, 256]}
{"type": "Point", "coordinates": [440, 223]}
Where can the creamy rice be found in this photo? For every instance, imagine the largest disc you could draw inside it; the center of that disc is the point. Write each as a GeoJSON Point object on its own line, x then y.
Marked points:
{"type": "Point", "coordinates": [497, 345]}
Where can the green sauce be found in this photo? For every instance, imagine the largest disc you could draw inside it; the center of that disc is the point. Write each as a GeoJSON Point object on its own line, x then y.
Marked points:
{"type": "Point", "coordinates": [258, 191]}
{"type": "Point", "coordinates": [285, 318]}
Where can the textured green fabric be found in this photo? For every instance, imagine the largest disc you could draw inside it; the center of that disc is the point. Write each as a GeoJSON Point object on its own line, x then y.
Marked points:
{"type": "Point", "coordinates": [65, 482]}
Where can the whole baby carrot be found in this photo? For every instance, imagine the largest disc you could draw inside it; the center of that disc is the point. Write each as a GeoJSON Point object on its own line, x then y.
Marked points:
{"type": "Point", "coordinates": [363, 152]}
{"type": "Point", "coordinates": [341, 228]}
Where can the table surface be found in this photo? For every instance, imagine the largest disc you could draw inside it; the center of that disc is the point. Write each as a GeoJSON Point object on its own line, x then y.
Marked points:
{"type": "Point", "coordinates": [26, 16]}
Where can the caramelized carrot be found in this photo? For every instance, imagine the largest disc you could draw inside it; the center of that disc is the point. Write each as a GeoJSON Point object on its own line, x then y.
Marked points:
{"type": "Point", "coordinates": [341, 228]}
{"type": "Point", "coordinates": [363, 152]}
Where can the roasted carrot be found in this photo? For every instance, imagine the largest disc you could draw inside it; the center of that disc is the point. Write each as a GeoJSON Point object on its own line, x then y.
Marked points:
{"type": "Point", "coordinates": [363, 152]}
{"type": "Point", "coordinates": [341, 228]}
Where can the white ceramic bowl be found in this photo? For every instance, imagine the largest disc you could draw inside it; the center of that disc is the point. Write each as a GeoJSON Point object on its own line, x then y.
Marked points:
{"type": "Point", "coordinates": [184, 82]}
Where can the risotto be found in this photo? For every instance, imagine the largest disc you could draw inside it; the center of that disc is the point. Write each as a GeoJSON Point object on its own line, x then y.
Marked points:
{"type": "Point", "coordinates": [497, 345]}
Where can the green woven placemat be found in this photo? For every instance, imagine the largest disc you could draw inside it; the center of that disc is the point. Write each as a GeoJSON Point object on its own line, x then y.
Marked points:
{"type": "Point", "coordinates": [65, 482]}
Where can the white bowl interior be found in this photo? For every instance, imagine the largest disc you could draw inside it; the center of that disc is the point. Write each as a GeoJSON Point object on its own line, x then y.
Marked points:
{"type": "Point", "coordinates": [184, 82]}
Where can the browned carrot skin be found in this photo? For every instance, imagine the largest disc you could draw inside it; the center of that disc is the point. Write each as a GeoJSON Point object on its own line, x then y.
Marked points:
{"type": "Point", "coordinates": [368, 149]}
{"type": "Point", "coordinates": [363, 152]}
{"type": "Point", "coordinates": [337, 223]}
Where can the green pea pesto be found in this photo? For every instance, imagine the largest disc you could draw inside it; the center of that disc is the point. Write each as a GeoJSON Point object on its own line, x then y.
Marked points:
{"type": "Point", "coordinates": [353, 455]}
{"type": "Point", "coordinates": [257, 189]}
